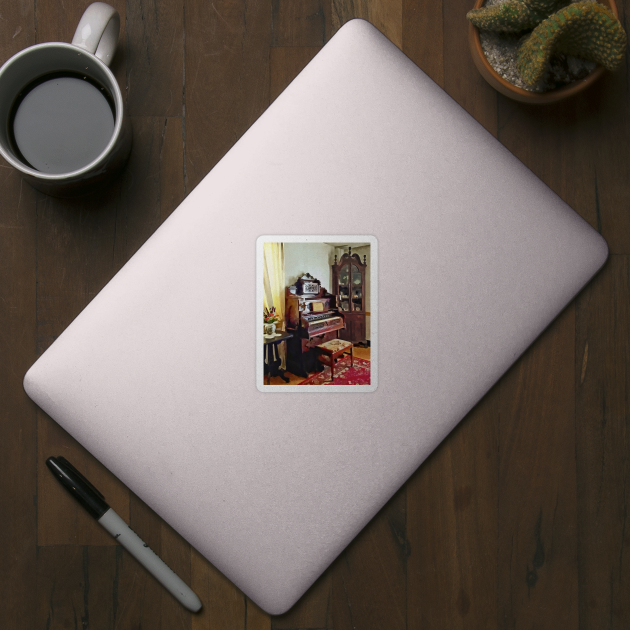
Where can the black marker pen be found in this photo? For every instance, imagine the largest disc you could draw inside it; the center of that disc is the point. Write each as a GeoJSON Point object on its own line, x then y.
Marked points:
{"type": "Point", "coordinates": [94, 502]}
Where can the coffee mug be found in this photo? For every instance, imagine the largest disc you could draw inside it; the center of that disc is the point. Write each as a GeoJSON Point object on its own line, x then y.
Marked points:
{"type": "Point", "coordinates": [62, 114]}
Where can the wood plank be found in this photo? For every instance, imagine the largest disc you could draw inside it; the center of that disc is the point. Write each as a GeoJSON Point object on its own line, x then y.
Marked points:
{"type": "Point", "coordinates": [369, 577]}
{"type": "Point", "coordinates": [558, 147]}
{"type": "Point", "coordinates": [142, 600]}
{"type": "Point", "coordinates": [285, 64]}
{"type": "Point", "coordinates": [154, 57]}
{"type": "Point", "coordinates": [74, 248]}
{"type": "Point", "coordinates": [224, 606]}
{"type": "Point", "coordinates": [575, 147]}
{"type": "Point", "coordinates": [18, 415]}
{"type": "Point", "coordinates": [461, 78]}
{"type": "Point", "coordinates": [452, 527]}
{"type": "Point", "coordinates": [17, 28]}
{"type": "Point", "coordinates": [313, 609]}
{"type": "Point", "coordinates": [57, 23]}
{"type": "Point", "coordinates": [256, 618]}
{"type": "Point", "coordinates": [76, 587]}
{"type": "Point", "coordinates": [152, 184]}
{"type": "Point", "coordinates": [226, 78]}
{"type": "Point", "coordinates": [537, 537]}
{"type": "Point", "coordinates": [423, 36]}
{"type": "Point", "coordinates": [18, 421]}
{"type": "Point", "coordinates": [300, 23]}
{"type": "Point", "coordinates": [386, 15]}
{"type": "Point", "coordinates": [608, 127]}
{"type": "Point", "coordinates": [603, 468]}
{"type": "Point", "coordinates": [61, 520]}
{"type": "Point", "coordinates": [171, 158]}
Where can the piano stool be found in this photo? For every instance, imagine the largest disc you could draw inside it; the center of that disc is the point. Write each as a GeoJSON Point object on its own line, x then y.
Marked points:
{"type": "Point", "coordinates": [331, 350]}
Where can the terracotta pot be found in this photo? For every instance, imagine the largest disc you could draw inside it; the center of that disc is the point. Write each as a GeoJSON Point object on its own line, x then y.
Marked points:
{"type": "Point", "coordinates": [518, 94]}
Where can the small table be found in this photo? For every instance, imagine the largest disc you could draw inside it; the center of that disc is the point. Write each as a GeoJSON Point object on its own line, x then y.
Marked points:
{"type": "Point", "coordinates": [333, 349]}
{"type": "Point", "coordinates": [273, 367]}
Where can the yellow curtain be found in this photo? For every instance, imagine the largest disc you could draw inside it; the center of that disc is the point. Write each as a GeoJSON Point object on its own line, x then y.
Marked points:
{"type": "Point", "coordinates": [273, 281]}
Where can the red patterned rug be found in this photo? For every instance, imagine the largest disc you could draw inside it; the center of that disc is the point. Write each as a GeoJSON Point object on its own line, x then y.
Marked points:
{"type": "Point", "coordinates": [358, 374]}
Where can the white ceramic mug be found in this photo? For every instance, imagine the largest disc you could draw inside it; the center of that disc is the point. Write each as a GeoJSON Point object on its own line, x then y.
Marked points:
{"type": "Point", "coordinates": [87, 57]}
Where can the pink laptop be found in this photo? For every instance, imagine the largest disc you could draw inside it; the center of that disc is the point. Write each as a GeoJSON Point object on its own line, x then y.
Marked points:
{"type": "Point", "coordinates": [467, 257]}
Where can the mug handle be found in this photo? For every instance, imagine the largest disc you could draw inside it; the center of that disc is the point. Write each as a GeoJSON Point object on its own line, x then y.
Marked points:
{"type": "Point", "coordinates": [98, 30]}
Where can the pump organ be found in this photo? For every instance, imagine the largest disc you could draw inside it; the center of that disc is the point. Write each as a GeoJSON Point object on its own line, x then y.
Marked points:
{"type": "Point", "coordinates": [313, 318]}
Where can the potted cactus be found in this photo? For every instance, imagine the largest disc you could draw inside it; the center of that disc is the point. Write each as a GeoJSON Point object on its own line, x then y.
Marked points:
{"type": "Point", "coordinates": [558, 49]}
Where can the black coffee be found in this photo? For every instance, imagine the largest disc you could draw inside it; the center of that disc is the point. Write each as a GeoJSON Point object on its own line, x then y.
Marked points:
{"type": "Point", "coordinates": [61, 123]}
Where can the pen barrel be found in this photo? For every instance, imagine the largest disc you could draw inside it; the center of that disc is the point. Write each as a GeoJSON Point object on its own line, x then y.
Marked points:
{"type": "Point", "coordinates": [149, 559]}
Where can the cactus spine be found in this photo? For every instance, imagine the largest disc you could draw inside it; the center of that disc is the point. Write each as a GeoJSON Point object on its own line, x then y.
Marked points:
{"type": "Point", "coordinates": [513, 16]}
{"type": "Point", "coordinates": [584, 29]}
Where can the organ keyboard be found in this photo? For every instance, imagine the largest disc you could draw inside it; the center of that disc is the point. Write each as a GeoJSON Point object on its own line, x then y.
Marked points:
{"type": "Point", "coordinates": [320, 325]}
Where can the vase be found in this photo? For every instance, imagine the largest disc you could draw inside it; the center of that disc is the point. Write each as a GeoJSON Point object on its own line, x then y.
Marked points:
{"type": "Point", "coordinates": [270, 329]}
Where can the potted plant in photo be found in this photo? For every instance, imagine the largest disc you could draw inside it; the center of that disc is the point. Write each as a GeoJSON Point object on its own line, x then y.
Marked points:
{"type": "Point", "coordinates": [271, 318]}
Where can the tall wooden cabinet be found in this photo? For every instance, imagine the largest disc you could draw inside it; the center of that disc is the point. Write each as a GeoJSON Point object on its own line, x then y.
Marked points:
{"type": "Point", "coordinates": [349, 288]}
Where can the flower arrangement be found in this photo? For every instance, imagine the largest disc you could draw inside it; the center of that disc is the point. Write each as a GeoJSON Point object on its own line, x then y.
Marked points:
{"type": "Point", "coordinates": [270, 316]}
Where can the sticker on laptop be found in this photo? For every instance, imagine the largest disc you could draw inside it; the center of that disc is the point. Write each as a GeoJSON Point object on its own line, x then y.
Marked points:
{"type": "Point", "coordinates": [316, 323]}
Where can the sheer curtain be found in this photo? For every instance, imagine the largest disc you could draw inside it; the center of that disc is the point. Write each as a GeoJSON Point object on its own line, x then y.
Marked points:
{"type": "Point", "coordinates": [273, 281]}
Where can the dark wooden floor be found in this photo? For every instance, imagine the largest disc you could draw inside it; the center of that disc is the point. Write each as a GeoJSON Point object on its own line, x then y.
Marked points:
{"type": "Point", "coordinates": [518, 520]}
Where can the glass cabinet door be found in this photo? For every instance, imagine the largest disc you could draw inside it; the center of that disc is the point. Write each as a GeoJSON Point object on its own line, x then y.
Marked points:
{"type": "Point", "coordinates": [344, 288]}
{"type": "Point", "coordinates": [357, 289]}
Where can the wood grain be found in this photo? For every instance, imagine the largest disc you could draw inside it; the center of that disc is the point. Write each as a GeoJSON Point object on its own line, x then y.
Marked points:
{"type": "Point", "coordinates": [154, 57]}
{"type": "Point", "coordinates": [452, 515]}
{"type": "Point", "coordinates": [537, 509]}
{"type": "Point", "coordinates": [313, 610]}
{"type": "Point", "coordinates": [151, 187]}
{"type": "Point", "coordinates": [60, 520]}
{"type": "Point", "coordinates": [369, 577]}
{"type": "Point", "coordinates": [304, 23]}
{"type": "Point", "coordinates": [226, 78]}
{"type": "Point", "coordinates": [76, 587]}
{"type": "Point", "coordinates": [461, 79]}
{"type": "Point", "coordinates": [285, 64]}
{"type": "Point", "coordinates": [422, 36]}
{"type": "Point", "coordinates": [573, 149]}
{"type": "Point", "coordinates": [602, 380]}
{"type": "Point", "coordinates": [386, 15]}
{"type": "Point", "coordinates": [609, 133]}
{"type": "Point", "coordinates": [144, 601]}
{"type": "Point", "coordinates": [18, 416]}
{"type": "Point", "coordinates": [224, 606]}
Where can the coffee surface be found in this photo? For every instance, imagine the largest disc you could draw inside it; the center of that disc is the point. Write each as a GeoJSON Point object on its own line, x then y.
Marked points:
{"type": "Point", "coordinates": [62, 124]}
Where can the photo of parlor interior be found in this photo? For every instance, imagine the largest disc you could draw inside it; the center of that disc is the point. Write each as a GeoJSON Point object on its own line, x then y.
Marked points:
{"type": "Point", "coordinates": [316, 313]}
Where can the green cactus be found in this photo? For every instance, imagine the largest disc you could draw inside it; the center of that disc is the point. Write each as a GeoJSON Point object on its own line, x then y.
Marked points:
{"type": "Point", "coordinates": [584, 29]}
{"type": "Point", "coordinates": [513, 16]}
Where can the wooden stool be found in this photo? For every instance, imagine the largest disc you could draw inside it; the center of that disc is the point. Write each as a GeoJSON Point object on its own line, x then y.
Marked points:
{"type": "Point", "coordinates": [333, 349]}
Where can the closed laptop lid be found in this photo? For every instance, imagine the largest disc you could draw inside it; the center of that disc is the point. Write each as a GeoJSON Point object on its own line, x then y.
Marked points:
{"type": "Point", "coordinates": [472, 257]}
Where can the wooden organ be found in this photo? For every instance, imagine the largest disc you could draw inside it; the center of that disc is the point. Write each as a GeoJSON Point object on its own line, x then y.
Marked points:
{"type": "Point", "coordinates": [313, 318]}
